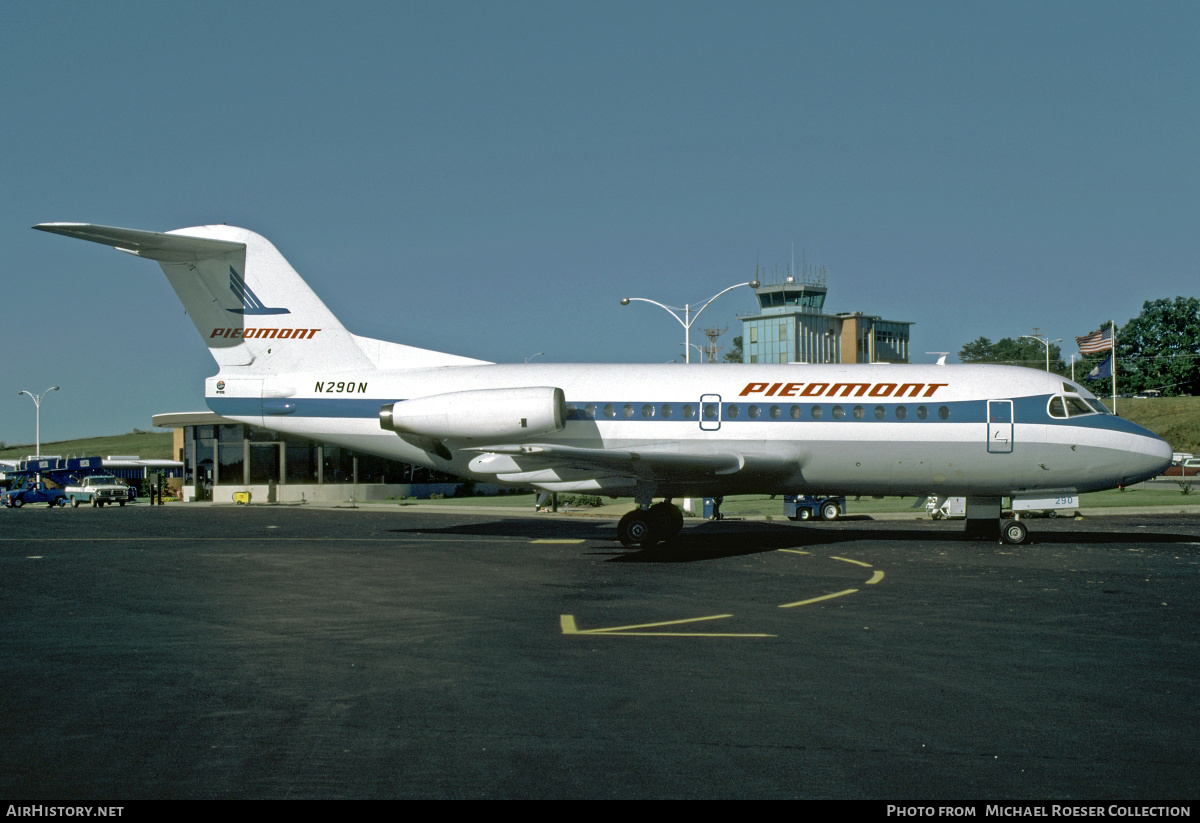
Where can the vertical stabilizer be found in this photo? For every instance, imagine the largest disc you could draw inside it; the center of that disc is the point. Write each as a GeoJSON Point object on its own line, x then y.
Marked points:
{"type": "Point", "coordinates": [251, 308]}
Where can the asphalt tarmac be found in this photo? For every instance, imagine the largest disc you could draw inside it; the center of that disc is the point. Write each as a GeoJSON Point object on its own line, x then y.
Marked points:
{"type": "Point", "coordinates": [287, 652]}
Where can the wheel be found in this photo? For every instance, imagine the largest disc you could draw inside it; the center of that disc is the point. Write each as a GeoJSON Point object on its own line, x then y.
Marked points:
{"type": "Point", "coordinates": [122, 503]}
{"type": "Point", "coordinates": [636, 529]}
{"type": "Point", "coordinates": [669, 519]}
{"type": "Point", "coordinates": [18, 502]}
{"type": "Point", "coordinates": [75, 502]}
{"type": "Point", "coordinates": [804, 513]}
{"type": "Point", "coordinates": [1014, 532]}
{"type": "Point", "coordinates": [1052, 513]}
{"type": "Point", "coordinates": [830, 510]}
{"type": "Point", "coordinates": [62, 502]}
{"type": "Point", "coordinates": [936, 515]}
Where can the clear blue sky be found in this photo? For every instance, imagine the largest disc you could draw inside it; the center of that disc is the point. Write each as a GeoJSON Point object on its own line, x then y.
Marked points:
{"type": "Point", "coordinates": [490, 178]}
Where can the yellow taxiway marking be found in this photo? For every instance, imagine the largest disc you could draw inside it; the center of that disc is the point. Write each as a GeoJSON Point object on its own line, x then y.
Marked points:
{"type": "Point", "coordinates": [818, 599]}
{"type": "Point", "coordinates": [794, 551]}
{"type": "Point", "coordinates": [848, 560]}
{"type": "Point", "coordinates": [570, 627]}
{"type": "Point", "coordinates": [875, 578]}
{"type": "Point", "coordinates": [552, 540]}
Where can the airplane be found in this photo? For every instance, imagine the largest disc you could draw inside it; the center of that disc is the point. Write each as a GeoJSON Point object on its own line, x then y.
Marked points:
{"type": "Point", "coordinates": [669, 431]}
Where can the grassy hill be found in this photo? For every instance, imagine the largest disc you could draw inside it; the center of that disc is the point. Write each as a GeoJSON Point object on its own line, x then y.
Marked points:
{"type": "Point", "coordinates": [145, 444]}
{"type": "Point", "coordinates": [1175, 419]}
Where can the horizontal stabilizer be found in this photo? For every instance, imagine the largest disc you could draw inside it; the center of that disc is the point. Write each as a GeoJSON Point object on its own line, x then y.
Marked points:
{"type": "Point", "coordinates": [160, 246]}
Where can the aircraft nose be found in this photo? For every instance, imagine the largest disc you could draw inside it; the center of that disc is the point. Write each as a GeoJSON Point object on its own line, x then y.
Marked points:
{"type": "Point", "coordinates": [1153, 457]}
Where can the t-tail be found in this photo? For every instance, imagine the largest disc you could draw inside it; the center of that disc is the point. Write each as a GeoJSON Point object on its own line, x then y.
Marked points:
{"type": "Point", "coordinates": [254, 312]}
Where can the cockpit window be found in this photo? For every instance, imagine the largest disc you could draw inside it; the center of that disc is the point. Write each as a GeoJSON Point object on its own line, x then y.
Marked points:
{"type": "Point", "coordinates": [1098, 405]}
{"type": "Point", "coordinates": [1076, 406]}
{"type": "Point", "coordinates": [1068, 406]}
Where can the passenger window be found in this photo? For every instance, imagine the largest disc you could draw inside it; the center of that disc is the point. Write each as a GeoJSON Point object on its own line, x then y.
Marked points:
{"type": "Point", "coordinates": [775, 412]}
{"type": "Point", "coordinates": [710, 411]}
{"type": "Point", "coordinates": [753, 412]}
{"type": "Point", "coordinates": [795, 412]}
{"type": "Point", "coordinates": [627, 410]}
{"type": "Point", "coordinates": [688, 411]}
{"type": "Point", "coordinates": [859, 412]}
{"type": "Point", "coordinates": [838, 413]}
{"type": "Point", "coordinates": [922, 412]}
{"type": "Point", "coordinates": [609, 411]}
{"type": "Point", "coordinates": [666, 410]}
{"type": "Point", "coordinates": [880, 412]}
{"type": "Point", "coordinates": [732, 411]}
{"type": "Point", "coordinates": [647, 410]}
{"type": "Point", "coordinates": [944, 412]}
{"type": "Point", "coordinates": [901, 412]}
{"type": "Point", "coordinates": [816, 412]}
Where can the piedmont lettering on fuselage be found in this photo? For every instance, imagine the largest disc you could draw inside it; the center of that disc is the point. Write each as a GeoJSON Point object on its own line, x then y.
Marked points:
{"type": "Point", "coordinates": [282, 334]}
{"type": "Point", "coordinates": [842, 389]}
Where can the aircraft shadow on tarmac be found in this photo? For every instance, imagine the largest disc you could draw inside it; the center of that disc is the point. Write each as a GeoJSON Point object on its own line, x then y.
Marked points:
{"type": "Point", "coordinates": [734, 538]}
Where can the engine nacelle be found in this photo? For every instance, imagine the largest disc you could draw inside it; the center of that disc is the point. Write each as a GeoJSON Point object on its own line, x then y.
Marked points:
{"type": "Point", "coordinates": [482, 414]}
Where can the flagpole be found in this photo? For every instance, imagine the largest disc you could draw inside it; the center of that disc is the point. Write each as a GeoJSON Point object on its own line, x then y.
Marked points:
{"type": "Point", "coordinates": [1113, 334]}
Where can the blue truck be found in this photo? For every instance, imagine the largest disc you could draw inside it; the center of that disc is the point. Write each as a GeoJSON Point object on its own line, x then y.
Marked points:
{"type": "Point", "coordinates": [32, 490]}
{"type": "Point", "coordinates": [813, 507]}
{"type": "Point", "coordinates": [50, 480]}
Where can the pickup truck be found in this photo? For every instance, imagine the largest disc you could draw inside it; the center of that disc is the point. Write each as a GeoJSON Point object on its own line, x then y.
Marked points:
{"type": "Point", "coordinates": [97, 490]}
{"type": "Point", "coordinates": [33, 491]}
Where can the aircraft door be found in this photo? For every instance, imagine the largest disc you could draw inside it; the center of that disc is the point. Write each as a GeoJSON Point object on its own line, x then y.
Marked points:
{"type": "Point", "coordinates": [1000, 426]}
{"type": "Point", "coordinates": [710, 412]}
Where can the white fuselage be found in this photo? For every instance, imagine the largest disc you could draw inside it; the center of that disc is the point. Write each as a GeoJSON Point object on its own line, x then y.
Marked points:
{"type": "Point", "coordinates": [878, 429]}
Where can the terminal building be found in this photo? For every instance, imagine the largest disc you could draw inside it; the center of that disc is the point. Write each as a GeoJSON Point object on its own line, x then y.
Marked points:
{"type": "Point", "coordinates": [792, 326]}
{"type": "Point", "coordinates": [222, 457]}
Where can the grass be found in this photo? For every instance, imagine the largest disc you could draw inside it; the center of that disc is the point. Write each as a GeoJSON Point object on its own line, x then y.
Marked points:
{"type": "Point", "coordinates": [148, 445]}
{"type": "Point", "coordinates": [1175, 419]}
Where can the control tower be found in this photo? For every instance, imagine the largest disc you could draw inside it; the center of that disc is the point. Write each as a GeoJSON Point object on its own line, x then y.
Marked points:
{"type": "Point", "coordinates": [792, 326]}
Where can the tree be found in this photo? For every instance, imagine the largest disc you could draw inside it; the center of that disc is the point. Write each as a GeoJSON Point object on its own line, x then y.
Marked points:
{"type": "Point", "coordinates": [1160, 348]}
{"type": "Point", "coordinates": [734, 355]}
{"type": "Point", "coordinates": [1019, 352]}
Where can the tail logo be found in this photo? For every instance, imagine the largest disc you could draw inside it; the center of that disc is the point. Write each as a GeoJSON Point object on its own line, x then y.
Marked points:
{"type": "Point", "coordinates": [250, 302]}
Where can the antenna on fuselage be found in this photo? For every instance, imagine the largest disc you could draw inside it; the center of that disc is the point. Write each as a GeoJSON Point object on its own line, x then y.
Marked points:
{"type": "Point", "coordinates": [941, 360]}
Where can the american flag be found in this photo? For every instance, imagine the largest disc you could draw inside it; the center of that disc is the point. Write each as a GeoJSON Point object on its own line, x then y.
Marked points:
{"type": "Point", "coordinates": [1100, 340]}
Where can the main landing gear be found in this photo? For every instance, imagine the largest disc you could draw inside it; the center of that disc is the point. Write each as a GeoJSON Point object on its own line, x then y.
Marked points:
{"type": "Point", "coordinates": [647, 527]}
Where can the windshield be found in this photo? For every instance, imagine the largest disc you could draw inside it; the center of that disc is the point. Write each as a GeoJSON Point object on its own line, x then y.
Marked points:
{"type": "Point", "coordinates": [1069, 406]}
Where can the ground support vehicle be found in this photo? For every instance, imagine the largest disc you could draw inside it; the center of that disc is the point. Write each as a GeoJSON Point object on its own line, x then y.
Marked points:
{"type": "Point", "coordinates": [98, 490]}
{"type": "Point", "coordinates": [1046, 506]}
{"type": "Point", "coordinates": [946, 508]}
{"type": "Point", "coordinates": [810, 506]}
{"type": "Point", "coordinates": [31, 490]}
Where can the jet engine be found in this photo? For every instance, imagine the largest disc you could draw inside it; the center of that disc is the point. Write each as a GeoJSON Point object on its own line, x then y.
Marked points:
{"type": "Point", "coordinates": [494, 415]}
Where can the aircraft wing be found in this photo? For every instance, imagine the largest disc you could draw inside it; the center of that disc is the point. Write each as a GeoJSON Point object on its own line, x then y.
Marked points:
{"type": "Point", "coordinates": [649, 463]}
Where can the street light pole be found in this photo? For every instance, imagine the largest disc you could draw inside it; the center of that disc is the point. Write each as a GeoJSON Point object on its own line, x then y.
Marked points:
{"type": "Point", "coordinates": [37, 404]}
{"type": "Point", "coordinates": [1045, 341]}
{"type": "Point", "coordinates": [688, 317]}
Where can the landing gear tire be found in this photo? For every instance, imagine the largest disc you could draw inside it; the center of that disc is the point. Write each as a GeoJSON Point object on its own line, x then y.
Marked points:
{"type": "Point", "coordinates": [670, 519]}
{"type": "Point", "coordinates": [637, 529]}
{"type": "Point", "coordinates": [1014, 532]}
{"type": "Point", "coordinates": [830, 511]}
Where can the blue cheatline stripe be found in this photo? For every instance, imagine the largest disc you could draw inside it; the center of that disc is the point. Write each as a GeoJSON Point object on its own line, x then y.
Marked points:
{"type": "Point", "coordinates": [1025, 410]}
